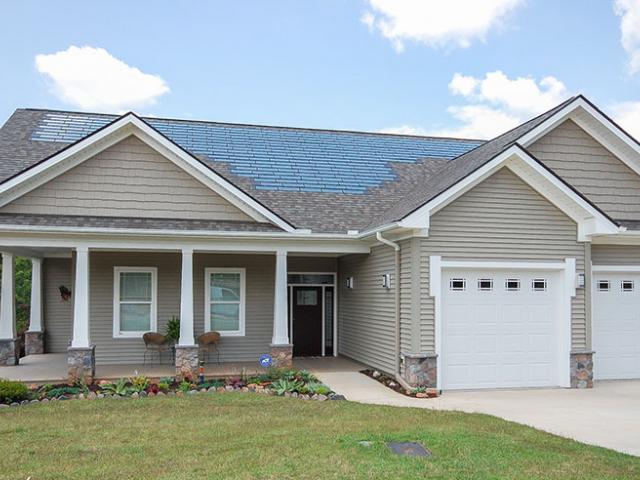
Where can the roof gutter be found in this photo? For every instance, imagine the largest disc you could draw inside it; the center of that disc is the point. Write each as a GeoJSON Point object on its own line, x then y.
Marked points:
{"type": "Point", "coordinates": [396, 357]}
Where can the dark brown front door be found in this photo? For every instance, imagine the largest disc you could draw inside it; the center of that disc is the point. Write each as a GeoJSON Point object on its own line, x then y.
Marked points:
{"type": "Point", "coordinates": [307, 321]}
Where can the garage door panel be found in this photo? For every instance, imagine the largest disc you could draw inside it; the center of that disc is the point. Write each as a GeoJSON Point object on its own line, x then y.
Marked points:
{"type": "Point", "coordinates": [616, 325]}
{"type": "Point", "coordinates": [508, 329]}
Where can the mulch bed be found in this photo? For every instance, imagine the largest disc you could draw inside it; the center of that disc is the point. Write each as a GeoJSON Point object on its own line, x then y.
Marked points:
{"type": "Point", "coordinates": [391, 383]}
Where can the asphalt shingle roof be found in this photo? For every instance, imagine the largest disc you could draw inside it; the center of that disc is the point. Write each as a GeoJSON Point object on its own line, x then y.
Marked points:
{"type": "Point", "coordinates": [327, 181]}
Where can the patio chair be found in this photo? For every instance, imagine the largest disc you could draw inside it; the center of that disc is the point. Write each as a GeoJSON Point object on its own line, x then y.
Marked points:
{"type": "Point", "coordinates": [155, 343]}
{"type": "Point", "coordinates": [208, 342]}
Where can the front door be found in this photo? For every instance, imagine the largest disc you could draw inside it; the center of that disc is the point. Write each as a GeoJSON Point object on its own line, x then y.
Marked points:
{"type": "Point", "coordinates": [307, 321]}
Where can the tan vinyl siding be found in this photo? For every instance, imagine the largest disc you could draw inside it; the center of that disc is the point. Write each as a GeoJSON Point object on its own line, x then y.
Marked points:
{"type": "Point", "coordinates": [583, 162]}
{"type": "Point", "coordinates": [615, 254]}
{"type": "Point", "coordinates": [259, 302]}
{"type": "Point", "coordinates": [503, 219]}
{"type": "Point", "coordinates": [366, 313]}
{"type": "Point", "coordinates": [128, 179]}
{"type": "Point", "coordinates": [406, 295]}
{"type": "Point", "coordinates": [57, 313]}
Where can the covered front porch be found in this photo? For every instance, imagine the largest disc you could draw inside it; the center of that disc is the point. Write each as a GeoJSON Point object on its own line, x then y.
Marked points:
{"type": "Point", "coordinates": [52, 368]}
{"type": "Point", "coordinates": [91, 304]}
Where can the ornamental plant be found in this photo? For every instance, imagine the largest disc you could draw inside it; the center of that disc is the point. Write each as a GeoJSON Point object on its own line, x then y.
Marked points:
{"type": "Point", "coordinates": [13, 391]}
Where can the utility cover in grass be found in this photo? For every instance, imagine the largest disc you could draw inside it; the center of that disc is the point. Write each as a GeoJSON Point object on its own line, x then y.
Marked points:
{"type": "Point", "coordinates": [409, 449]}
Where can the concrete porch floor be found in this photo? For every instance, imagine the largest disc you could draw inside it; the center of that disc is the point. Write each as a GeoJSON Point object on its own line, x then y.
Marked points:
{"type": "Point", "coordinates": [52, 368]}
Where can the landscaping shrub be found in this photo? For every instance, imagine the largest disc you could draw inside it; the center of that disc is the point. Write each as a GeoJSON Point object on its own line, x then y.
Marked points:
{"type": "Point", "coordinates": [12, 391]}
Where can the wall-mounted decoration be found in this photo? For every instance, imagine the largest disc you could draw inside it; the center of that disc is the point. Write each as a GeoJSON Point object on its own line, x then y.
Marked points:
{"type": "Point", "coordinates": [65, 293]}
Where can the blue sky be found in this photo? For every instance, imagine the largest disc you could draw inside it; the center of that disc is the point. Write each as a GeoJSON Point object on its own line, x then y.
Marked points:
{"type": "Point", "coordinates": [316, 63]}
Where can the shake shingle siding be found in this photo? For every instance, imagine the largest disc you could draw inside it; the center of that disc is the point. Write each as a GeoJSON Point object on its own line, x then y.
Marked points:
{"type": "Point", "coordinates": [128, 179]}
{"type": "Point", "coordinates": [503, 219]}
{"type": "Point", "coordinates": [583, 162]}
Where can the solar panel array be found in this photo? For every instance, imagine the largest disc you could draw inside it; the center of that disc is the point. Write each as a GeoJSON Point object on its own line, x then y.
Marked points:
{"type": "Point", "coordinates": [275, 158]}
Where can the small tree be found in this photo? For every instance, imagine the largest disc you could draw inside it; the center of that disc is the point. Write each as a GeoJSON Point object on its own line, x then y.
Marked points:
{"type": "Point", "coordinates": [22, 272]}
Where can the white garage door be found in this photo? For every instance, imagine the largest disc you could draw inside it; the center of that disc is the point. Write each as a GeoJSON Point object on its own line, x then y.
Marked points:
{"type": "Point", "coordinates": [500, 329]}
{"type": "Point", "coordinates": [616, 325]}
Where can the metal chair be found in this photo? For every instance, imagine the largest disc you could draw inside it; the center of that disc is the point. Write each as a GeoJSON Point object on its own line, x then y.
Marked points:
{"type": "Point", "coordinates": [155, 343]}
{"type": "Point", "coordinates": [207, 342]}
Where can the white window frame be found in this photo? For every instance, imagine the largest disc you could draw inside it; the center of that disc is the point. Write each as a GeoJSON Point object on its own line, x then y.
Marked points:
{"type": "Point", "coordinates": [242, 303]}
{"type": "Point", "coordinates": [153, 327]}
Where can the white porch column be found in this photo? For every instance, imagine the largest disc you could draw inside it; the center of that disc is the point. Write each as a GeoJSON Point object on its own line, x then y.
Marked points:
{"type": "Point", "coordinates": [81, 300]}
{"type": "Point", "coordinates": [7, 299]}
{"type": "Point", "coordinates": [186, 300]}
{"type": "Point", "coordinates": [280, 320]}
{"type": "Point", "coordinates": [35, 316]}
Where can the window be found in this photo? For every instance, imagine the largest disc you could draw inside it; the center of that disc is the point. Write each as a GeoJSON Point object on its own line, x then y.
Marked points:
{"type": "Point", "coordinates": [485, 284]}
{"type": "Point", "coordinates": [458, 284]}
{"type": "Point", "coordinates": [626, 285]}
{"type": "Point", "coordinates": [539, 285]}
{"type": "Point", "coordinates": [134, 301]}
{"type": "Point", "coordinates": [604, 285]}
{"type": "Point", "coordinates": [224, 301]}
{"type": "Point", "coordinates": [307, 297]}
{"type": "Point", "coordinates": [512, 284]}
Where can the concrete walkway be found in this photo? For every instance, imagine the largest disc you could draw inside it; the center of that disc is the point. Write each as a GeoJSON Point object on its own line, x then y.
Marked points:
{"type": "Point", "coordinates": [607, 415]}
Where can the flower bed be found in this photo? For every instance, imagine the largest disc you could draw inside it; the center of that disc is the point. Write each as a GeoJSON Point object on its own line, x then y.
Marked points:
{"type": "Point", "coordinates": [286, 383]}
{"type": "Point", "coordinates": [389, 382]}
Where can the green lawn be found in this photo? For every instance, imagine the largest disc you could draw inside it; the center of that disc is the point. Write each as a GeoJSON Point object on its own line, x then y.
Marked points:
{"type": "Point", "coordinates": [235, 435]}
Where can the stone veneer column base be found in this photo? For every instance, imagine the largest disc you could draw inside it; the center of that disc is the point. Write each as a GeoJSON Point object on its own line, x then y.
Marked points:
{"type": "Point", "coordinates": [33, 343]}
{"type": "Point", "coordinates": [9, 352]}
{"type": "Point", "coordinates": [581, 369]}
{"type": "Point", "coordinates": [282, 355]}
{"type": "Point", "coordinates": [420, 369]}
{"type": "Point", "coordinates": [81, 364]}
{"type": "Point", "coordinates": [186, 361]}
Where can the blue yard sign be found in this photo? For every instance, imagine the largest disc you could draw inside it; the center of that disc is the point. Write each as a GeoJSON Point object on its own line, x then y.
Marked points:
{"type": "Point", "coordinates": [265, 360]}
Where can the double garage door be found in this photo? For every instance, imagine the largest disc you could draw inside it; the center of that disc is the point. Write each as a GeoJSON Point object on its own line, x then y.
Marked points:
{"type": "Point", "coordinates": [616, 325]}
{"type": "Point", "coordinates": [501, 329]}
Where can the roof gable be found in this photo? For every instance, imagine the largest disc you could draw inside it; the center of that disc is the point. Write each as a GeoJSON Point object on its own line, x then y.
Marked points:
{"type": "Point", "coordinates": [114, 132]}
{"type": "Point", "coordinates": [128, 179]}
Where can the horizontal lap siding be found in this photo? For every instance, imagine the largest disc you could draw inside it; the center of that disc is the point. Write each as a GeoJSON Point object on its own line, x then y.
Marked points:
{"type": "Point", "coordinates": [57, 313]}
{"type": "Point", "coordinates": [259, 302]}
{"type": "Point", "coordinates": [502, 219]}
{"type": "Point", "coordinates": [128, 179]}
{"type": "Point", "coordinates": [405, 296]}
{"type": "Point", "coordinates": [615, 254]}
{"type": "Point", "coordinates": [366, 313]}
{"type": "Point", "coordinates": [592, 169]}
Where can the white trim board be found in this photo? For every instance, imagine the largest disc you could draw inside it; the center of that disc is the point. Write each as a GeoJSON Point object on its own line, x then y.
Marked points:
{"type": "Point", "coordinates": [589, 219]}
{"type": "Point", "coordinates": [437, 265]}
{"type": "Point", "coordinates": [616, 268]}
{"type": "Point", "coordinates": [130, 124]}
{"type": "Point", "coordinates": [117, 301]}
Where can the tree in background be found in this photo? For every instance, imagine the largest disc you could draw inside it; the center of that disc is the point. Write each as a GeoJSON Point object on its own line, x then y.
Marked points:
{"type": "Point", "coordinates": [23, 293]}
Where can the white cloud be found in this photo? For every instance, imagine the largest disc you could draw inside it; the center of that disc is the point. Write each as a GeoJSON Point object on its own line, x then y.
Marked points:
{"type": "Point", "coordinates": [93, 79]}
{"type": "Point", "coordinates": [627, 114]}
{"type": "Point", "coordinates": [629, 11]}
{"type": "Point", "coordinates": [437, 23]}
{"type": "Point", "coordinates": [495, 104]}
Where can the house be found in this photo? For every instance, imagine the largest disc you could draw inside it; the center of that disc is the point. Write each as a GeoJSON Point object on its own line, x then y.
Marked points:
{"type": "Point", "coordinates": [451, 263]}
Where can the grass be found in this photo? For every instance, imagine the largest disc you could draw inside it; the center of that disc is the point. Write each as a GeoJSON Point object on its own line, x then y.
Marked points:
{"type": "Point", "coordinates": [249, 436]}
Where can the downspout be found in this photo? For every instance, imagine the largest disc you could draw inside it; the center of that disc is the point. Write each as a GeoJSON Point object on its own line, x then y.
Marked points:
{"type": "Point", "coordinates": [396, 372]}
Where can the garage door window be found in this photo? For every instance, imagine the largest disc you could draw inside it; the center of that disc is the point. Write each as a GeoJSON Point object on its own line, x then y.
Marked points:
{"type": "Point", "coordinates": [512, 284]}
{"type": "Point", "coordinates": [626, 285]}
{"type": "Point", "coordinates": [604, 285]}
{"type": "Point", "coordinates": [457, 284]}
{"type": "Point", "coordinates": [485, 284]}
{"type": "Point", "coordinates": [539, 285]}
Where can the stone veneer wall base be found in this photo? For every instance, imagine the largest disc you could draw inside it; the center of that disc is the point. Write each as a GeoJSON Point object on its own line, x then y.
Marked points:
{"type": "Point", "coordinates": [33, 343]}
{"type": "Point", "coordinates": [581, 369]}
{"type": "Point", "coordinates": [187, 361]}
{"type": "Point", "coordinates": [282, 355]}
{"type": "Point", "coordinates": [81, 364]}
{"type": "Point", "coordinates": [9, 351]}
{"type": "Point", "coordinates": [421, 369]}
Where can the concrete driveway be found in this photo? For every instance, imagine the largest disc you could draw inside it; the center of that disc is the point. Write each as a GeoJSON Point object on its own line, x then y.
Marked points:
{"type": "Point", "coordinates": [607, 415]}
